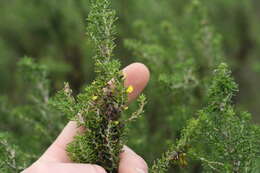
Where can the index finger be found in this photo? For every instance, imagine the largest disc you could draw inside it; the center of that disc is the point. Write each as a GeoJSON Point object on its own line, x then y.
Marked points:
{"type": "Point", "coordinates": [137, 75]}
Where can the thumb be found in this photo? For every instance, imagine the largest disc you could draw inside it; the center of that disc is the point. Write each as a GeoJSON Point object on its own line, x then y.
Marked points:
{"type": "Point", "coordinates": [130, 162]}
{"type": "Point", "coordinates": [64, 168]}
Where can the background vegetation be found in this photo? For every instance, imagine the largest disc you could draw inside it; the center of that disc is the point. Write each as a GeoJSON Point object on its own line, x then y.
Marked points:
{"type": "Point", "coordinates": [180, 41]}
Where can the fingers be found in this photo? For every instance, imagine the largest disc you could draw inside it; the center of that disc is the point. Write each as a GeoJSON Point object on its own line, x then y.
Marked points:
{"type": "Point", "coordinates": [57, 151]}
{"type": "Point", "coordinates": [137, 75]}
{"type": "Point", "coordinates": [130, 162]}
{"type": "Point", "coordinates": [64, 168]}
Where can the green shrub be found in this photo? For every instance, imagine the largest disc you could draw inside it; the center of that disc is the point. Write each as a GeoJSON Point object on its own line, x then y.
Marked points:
{"type": "Point", "coordinates": [181, 42]}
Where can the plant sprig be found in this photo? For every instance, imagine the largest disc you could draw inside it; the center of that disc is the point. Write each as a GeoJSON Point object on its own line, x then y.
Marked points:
{"type": "Point", "coordinates": [99, 107]}
{"type": "Point", "coordinates": [229, 143]}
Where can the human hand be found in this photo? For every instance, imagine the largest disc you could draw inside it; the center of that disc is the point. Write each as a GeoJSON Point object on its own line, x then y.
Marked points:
{"type": "Point", "coordinates": [55, 159]}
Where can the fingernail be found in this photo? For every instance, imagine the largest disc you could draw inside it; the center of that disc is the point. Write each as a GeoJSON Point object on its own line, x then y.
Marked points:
{"type": "Point", "coordinates": [128, 150]}
{"type": "Point", "coordinates": [138, 170]}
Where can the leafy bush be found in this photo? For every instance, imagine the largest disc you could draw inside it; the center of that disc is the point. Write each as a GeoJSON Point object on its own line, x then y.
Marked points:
{"type": "Point", "coordinates": [181, 42]}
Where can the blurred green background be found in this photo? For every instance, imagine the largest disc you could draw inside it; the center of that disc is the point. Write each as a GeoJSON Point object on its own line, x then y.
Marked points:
{"type": "Point", "coordinates": [53, 33]}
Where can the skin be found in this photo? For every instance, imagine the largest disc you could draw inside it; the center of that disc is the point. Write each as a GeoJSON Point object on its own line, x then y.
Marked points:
{"type": "Point", "coordinates": [55, 159]}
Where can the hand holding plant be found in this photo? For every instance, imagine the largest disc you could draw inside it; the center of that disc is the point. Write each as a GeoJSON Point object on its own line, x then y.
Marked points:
{"type": "Point", "coordinates": [55, 159]}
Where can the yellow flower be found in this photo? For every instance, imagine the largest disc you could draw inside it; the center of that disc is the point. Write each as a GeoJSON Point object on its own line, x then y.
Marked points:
{"type": "Point", "coordinates": [94, 98]}
{"type": "Point", "coordinates": [130, 89]}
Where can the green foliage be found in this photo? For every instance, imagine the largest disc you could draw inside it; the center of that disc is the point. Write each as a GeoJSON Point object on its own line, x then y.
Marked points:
{"type": "Point", "coordinates": [231, 140]}
{"type": "Point", "coordinates": [10, 156]}
{"type": "Point", "coordinates": [182, 43]}
{"type": "Point", "coordinates": [99, 107]}
{"type": "Point", "coordinates": [36, 75]}
{"type": "Point", "coordinates": [256, 66]}
{"type": "Point", "coordinates": [181, 52]}
{"type": "Point", "coordinates": [34, 116]}
{"type": "Point", "coordinates": [227, 140]}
